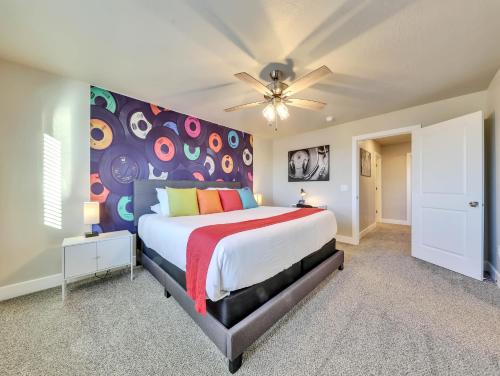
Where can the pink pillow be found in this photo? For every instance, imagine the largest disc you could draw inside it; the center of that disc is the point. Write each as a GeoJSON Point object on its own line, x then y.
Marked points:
{"type": "Point", "coordinates": [230, 199]}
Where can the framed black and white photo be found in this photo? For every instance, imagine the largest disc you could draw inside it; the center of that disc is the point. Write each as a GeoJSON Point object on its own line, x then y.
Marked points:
{"type": "Point", "coordinates": [366, 163]}
{"type": "Point", "coordinates": [312, 164]}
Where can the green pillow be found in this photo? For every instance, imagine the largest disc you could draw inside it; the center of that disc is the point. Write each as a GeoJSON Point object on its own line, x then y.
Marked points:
{"type": "Point", "coordinates": [182, 201]}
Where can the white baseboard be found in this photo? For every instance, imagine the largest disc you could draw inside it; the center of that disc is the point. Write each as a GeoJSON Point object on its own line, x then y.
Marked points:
{"type": "Point", "coordinates": [28, 287]}
{"type": "Point", "coordinates": [367, 230]}
{"type": "Point", "coordinates": [345, 239]}
{"type": "Point", "coordinates": [395, 221]}
{"type": "Point", "coordinates": [495, 274]}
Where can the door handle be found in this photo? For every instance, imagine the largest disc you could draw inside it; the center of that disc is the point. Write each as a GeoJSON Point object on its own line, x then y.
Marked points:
{"type": "Point", "coordinates": [473, 204]}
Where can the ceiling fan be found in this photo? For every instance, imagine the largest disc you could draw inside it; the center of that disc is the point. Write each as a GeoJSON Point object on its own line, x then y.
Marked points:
{"type": "Point", "coordinates": [277, 93]}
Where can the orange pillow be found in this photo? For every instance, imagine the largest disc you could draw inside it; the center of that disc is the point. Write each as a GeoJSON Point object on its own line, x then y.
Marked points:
{"type": "Point", "coordinates": [209, 201]}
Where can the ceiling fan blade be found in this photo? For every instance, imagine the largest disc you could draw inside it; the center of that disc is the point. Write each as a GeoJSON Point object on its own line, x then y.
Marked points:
{"type": "Point", "coordinates": [308, 80]}
{"type": "Point", "coordinates": [305, 103]}
{"type": "Point", "coordinates": [253, 82]}
{"type": "Point", "coordinates": [243, 106]}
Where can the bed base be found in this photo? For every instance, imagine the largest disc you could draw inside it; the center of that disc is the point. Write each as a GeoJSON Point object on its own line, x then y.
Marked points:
{"type": "Point", "coordinates": [232, 342]}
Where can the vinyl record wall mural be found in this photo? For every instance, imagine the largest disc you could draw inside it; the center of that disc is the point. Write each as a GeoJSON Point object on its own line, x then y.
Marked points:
{"type": "Point", "coordinates": [131, 139]}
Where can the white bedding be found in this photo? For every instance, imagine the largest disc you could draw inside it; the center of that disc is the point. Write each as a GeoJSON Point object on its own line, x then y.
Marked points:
{"type": "Point", "coordinates": [245, 258]}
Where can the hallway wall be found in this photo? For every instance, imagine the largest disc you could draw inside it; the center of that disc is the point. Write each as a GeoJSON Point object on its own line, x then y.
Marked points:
{"type": "Point", "coordinates": [367, 187]}
{"type": "Point", "coordinates": [394, 181]}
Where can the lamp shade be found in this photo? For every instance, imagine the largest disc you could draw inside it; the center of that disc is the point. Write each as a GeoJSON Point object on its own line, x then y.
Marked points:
{"type": "Point", "coordinates": [90, 212]}
{"type": "Point", "coordinates": [258, 198]}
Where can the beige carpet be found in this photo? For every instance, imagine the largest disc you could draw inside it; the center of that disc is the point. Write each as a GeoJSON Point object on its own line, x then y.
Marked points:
{"type": "Point", "coordinates": [385, 314]}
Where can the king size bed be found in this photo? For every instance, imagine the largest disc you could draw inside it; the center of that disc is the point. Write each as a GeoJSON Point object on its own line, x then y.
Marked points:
{"type": "Point", "coordinates": [254, 277]}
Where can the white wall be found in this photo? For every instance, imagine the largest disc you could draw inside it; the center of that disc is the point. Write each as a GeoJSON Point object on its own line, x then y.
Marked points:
{"type": "Point", "coordinates": [263, 169]}
{"type": "Point", "coordinates": [492, 143]}
{"type": "Point", "coordinates": [33, 103]}
{"type": "Point", "coordinates": [339, 137]}
{"type": "Point", "coordinates": [394, 181]}
{"type": "Point", "coordinates": [367, 186]}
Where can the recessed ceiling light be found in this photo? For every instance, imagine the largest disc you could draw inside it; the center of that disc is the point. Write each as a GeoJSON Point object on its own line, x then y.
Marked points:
{"type": "Point", "coordinates": [329, 118]}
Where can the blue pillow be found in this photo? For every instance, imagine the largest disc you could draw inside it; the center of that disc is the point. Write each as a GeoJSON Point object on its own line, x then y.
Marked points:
{"type": "Point", "coordinates": [247, 198]}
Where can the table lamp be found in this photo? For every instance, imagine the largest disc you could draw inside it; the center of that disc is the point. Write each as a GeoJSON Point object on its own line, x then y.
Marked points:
{"type": "Point", "coordinates": [258, 198]}
{"type": "Point", "coordinates": [303, 193]}
{"type": "Point", "coordinates": [91, 216]}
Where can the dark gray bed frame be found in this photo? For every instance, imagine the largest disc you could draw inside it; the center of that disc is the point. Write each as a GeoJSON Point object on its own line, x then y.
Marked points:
{"type": "Point", "coordinates": [232, 342]}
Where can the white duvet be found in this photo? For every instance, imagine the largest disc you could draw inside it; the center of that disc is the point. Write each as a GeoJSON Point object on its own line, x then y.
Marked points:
{"type": "Point", "coordinates": [245, 258]}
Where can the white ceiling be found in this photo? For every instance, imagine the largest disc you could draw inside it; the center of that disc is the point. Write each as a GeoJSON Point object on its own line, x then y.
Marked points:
{"type": "Point", "coordinates": [385, 55]}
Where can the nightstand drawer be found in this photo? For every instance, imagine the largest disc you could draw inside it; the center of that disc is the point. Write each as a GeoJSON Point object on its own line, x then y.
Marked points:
{"type": "Point", "coordinates": [112, 253]}
{"type": "Point", "coordinates": [80, 259]}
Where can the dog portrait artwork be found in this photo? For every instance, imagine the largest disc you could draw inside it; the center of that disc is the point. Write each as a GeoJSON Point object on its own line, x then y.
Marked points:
{"type": "Point", "coordinates": [312, 164]}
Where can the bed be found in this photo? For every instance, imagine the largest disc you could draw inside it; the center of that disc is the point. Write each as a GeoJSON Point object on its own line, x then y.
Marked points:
{"type": "Point", "coordinates": [254, 277]}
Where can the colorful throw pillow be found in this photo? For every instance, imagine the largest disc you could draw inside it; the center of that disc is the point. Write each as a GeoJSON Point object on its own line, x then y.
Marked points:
{"type": "Point", "coordinates": [182, 201]}
{"type": "Point", "coordinates": [247, 198]}
{"type": "Point", "coordinates": [230, 200]}
{"type": "Point", "coordinates": [208, 201]}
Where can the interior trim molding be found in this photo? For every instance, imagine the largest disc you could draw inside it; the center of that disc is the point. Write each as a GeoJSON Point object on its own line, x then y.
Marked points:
{"type": "Point", "coordinates": [395, 221]}
{"type": "Point", "coordinates": [28, 287]}
{"type": "Point", "coordinates": [367, 230]}
{"type": "Point", "coordinates": [494, 273]}
{"type": "Point", "coordinates": [346, 239]}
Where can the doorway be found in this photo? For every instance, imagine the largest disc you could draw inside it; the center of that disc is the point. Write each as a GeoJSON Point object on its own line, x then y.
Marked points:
{"type": "Point", "coordinates": [381, 185]}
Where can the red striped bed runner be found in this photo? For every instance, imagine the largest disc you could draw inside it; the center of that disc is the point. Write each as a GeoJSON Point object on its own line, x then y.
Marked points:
{"type": "Point", "coordinates": [203, 240]}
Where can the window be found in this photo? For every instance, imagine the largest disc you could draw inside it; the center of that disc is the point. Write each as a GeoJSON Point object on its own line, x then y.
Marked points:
{"type": "Point", "coordinates": [52, 187]}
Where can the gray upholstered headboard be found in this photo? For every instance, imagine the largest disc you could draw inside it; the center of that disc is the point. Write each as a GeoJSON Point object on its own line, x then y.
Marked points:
{"type": "Point", "coordinates": [145, 191]}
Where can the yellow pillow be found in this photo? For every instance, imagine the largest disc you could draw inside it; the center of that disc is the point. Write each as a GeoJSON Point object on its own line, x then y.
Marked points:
{"type": "Point", "coordinates": [182, 201]}
{"type": "Point", "coordinates": [209, 201]}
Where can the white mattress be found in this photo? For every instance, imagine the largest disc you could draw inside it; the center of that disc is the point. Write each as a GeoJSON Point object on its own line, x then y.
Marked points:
{"type": "Point", "coordinates": [245, 258]}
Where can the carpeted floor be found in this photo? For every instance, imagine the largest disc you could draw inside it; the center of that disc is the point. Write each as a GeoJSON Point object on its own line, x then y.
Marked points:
{"type": "Point", "coordinates": [384, 314]}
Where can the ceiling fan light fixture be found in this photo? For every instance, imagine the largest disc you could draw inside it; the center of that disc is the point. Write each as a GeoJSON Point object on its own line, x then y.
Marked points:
{"type": "Point", "coordinates": [269, 112]}
{"type": "Point", "coordinates": [282, 111]}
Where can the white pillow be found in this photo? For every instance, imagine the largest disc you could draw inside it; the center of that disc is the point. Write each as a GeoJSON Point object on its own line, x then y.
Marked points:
{"type": "Point", "coordinates": [156, 208]}
{"type": "Point", "coordinates": [220, 189]}
{"type": "Point", "coordinates": [161, 194]}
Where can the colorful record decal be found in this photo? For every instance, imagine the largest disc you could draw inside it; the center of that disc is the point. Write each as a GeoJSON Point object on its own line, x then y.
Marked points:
{"type": "Point", "coordinates": [156, 109]}
{"type": "Point", "coordinates": [119, 210]}
{"type": "Point", "coordinates": [98, 192]}
{"type": "Point", "coordinates": [192, 153]}
{"type": "Point", "coordinates": [105, 129]}
{"type": "Point", "coordinates": [190, 172]}
{"type": "Point", "coordinates": [120, 166]}
{"type": "Point", "coordinates": [227, 164]}
{"type": "Point", "coordinates": [191, 130]}
{"type": "Point", "coordinates": [247, 157]}
{"type": "Point", "coordinates": [233, 139]}
{"type": "Point", "coordinates": [172, 126]}
{"type": "Point", "coordinates": [215, 142]}
{"type": "Point", "coordinates": [133, 140]}
{"type": "Point", "coordinates": [136, 119]}
{"type": "Point", "coordinates": [101, 135]}
{"type": "Point", "coordinates": [139, 125]}
{"type": "Point", "coordinates": [210, 164]}
{"type": "Point", "coordinates": [162, 148]}
{"type": "Point", "coordinates": [155, 174]}
{"type": "Point", "coordinates": [97, 94]}
{"type": "Point", "coordinates": [124, 208]}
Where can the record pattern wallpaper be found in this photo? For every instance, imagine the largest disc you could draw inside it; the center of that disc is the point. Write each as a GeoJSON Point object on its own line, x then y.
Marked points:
{"type": "Point", "coordinates": [132, 139]}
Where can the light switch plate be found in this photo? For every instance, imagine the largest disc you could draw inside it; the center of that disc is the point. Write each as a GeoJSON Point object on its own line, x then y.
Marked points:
{"type": "Point", "coordinates": [344, 188]}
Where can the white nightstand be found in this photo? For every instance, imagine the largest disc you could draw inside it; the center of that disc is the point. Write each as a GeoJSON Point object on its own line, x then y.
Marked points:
{"type": "Point", "coordinates": [83, 256]}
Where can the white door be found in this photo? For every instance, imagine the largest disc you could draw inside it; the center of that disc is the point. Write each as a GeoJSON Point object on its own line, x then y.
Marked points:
{"type": "Point", "coordinates": [378, 187]}
{"type": "Point", "coordinates": [447, 213]}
